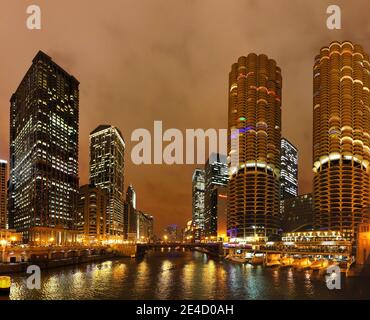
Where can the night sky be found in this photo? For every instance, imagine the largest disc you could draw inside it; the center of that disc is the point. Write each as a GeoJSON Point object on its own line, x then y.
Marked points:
{"type": "Point", "coordinates": [145, 60]}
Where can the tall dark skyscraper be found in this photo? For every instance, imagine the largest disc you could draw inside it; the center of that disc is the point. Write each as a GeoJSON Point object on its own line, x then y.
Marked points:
{"type": "Point", "coordinates": [44, 114]}
{"type": "Point", "coordinates": [130, 214]}
{"type": "Point", "coordinates": [255, 85]}
{"type": "Point", "coordinates": [298, 213]}
{"type": "Point", "coordinates": [216, 175]}
{"type": "Point", "coordinates": [3, 194]}
{"type": "Point", "coordinates": [107, 149]}
{"type": "Point", "coordinates": [198, 201]}
{"type": "Point", "coordinates": [289, 170]}
{"type": "Point", "coordinates": [341, 137]}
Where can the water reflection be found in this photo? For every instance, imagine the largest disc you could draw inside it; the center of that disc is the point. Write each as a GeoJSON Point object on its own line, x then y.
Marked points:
{"type": "Point", "coordinates": [183, 275]}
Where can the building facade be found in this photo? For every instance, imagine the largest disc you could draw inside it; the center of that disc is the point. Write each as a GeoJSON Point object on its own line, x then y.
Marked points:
{"type": "Point", "coordinates": [289, 170]}
{"type": "Point", "coordinates": [298, 213]}
{"type": "Point", "coordinates": [3, 195]}
{"type": "Point", "coordinates": [107, 149]}
{"type": "Point", "coordinates": [145, 225]}
{"type": "Point", "coordinates": [198, 201]}
{"type": "Point", "coordinates": [220, 201]}
{"type": "Point", "coordinates": [44, 114]}
{"type": "Point", "coordinates": [188, 232]}
{"type": "Point", "coordinates": [341, 137]}
{"type": "Point", "coordinates": [91, 208]}
{"type": "Point", "coordinates": [216, 176]}
{"type": "Point", "coordinates": [172, 233]}
{"type": "Point", "coordinates": [130, 214]}
{"type": "Point", "coordinates": [255, 84]}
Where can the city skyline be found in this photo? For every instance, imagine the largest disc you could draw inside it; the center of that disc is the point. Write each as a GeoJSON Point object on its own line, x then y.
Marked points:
{"type": "Point", "coordinates": [143, 178]}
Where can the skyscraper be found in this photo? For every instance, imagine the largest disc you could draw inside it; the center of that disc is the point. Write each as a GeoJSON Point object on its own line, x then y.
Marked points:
{"type": "Point", "coordinates": [289, 170]}
{"type": "Point", "coordinates": [144, 227]}
{"type": "Point", "coordinates": [130, 214]}
{"type": "Point", "coordinates": [92, 206]}
{"type": "Point", "coordinates": [298, 213]}
{"type": "Point", "coordinates": [255, 113]}
{"type": "Point", "coordinates": [3, 194]}
{"type": "Point", "coordinates": [107, 149]}
{"type": "Point", "coordinates": [341, 137]}
{"type": "Point", "coordinates": [220, 200]}
{"type": "Point", "coordinates": [198, 202]}
{"type": "Point", "coordinates": [44, 113]}
{"type": "Point", "coordinates": [216, 175]}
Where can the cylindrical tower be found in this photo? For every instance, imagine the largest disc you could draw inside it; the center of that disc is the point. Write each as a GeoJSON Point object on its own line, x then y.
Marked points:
{"type": "Point", "coordinates": [341, 137]}
{"type": "Point", "coordinates": [255, 120]}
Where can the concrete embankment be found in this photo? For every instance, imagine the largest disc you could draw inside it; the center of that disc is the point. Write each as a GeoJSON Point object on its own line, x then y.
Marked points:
{"type": "Point", "coordinates": [10, 268]}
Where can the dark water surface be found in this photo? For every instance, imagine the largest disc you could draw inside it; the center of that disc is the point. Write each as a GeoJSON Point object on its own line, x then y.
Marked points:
{"type": "Point", "coordinates": [184, 275]}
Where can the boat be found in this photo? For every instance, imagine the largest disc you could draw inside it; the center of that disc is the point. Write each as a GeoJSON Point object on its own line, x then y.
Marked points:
{"type": "Point", "coordinates": [5, 284]}
{"type": "Point", "coordinates": [302, 263]}
{"type": "Point", "coordinates": [333, 263]}
{"type": "Point", "coordinates": [238, 259]}
{"type": "Point", "coordinates": [287, 262]}
{"type": "Point", "coordinates": [272, 260]}
{"type": "Point", "coordinates": [272, 263]}
{"type": "Point", "coordinates": [319, 264]}
{"type": "Point", "coordinates": [256, 260]}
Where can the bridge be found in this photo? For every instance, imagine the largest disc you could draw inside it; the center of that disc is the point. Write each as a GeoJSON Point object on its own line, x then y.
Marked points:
{"type": "Point", "coordinates": [212, 248]}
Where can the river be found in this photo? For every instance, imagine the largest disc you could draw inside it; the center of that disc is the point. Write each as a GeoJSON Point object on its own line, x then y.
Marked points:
{"type": "Point", "coordinates": [183, 275]}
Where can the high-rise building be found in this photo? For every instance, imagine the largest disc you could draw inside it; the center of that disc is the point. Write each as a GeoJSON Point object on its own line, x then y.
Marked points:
{"type": "Point", "coordinates": [92, 205]}
{"type": "Point", "coordinates": [107, 149]}
{"type": "Point", "coordinates": [219, 196]}
{"type": "Point", "coordinates": [298, 213]}
{"type": "Point", "coordinates": [3, 194]}
{"type": "Point", "coordinates": [144, 227]}
{"type": "Point", "coordinates": [44, 113]}
{"type": "Point", "coordinates": [289, 170]}
{"type": "Point", "coordinates": [130, 214]}
{"type": "Point", "coordinates": [341, 137]}
{"type": "Point", "coordinates": [188, 232]}
{"type": "Point", "coordinates": [216, 175]}
{"type": "Point", "coordinates": [172, 233]}
{"type": "Point", "coordinates": [255, 84]}
{"type": "Point", "coordinates": [198, 201]}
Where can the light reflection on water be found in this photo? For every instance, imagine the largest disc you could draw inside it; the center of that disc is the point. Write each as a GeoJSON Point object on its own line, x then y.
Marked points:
{"type": "Point", "coordinates": [183, 275]}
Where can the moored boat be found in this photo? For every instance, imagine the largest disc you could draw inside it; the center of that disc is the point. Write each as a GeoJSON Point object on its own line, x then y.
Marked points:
{"type": "Point", "coordinates": [272, 260]}
{"type": "Point", "coordinates": [332, 263]}
{"type": "Point", "coordinates": [238, 259]}
{"type": "Point", "coordinates": [5, 284]}
{"type": "Point", "coordinates": [287, 262]}
{"type": "Point", "coordinates": [272, 263]}
{"type": "Point", "coordinates": [302, 263]}
{"type": "Point", "coordinates": [319, 264]}
{"type": "Point", "coordinates": [256, 260]}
